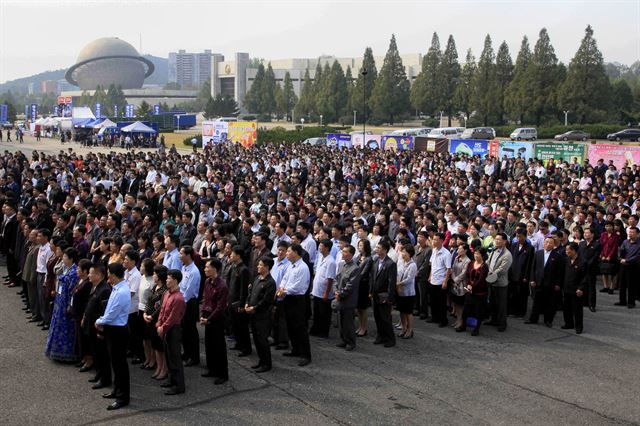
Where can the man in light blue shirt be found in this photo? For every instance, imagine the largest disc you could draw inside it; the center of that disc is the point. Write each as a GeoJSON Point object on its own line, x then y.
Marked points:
{"type": "Point", "coordinates": [280, 267]}
{"type": "Point", "coordinates": [172, 256]}
{"type": "Point", "coordinates": [440, 272]}
{"type": "Point", "coordinates": [190, 288]}
{"type": "Point", "coordinates": [113, 325]}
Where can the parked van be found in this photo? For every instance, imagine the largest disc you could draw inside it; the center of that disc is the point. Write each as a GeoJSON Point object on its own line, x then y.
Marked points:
{"type": "Point", "coordinates": [524, 134]}
{"type": "Point", "coordinates": [445, 132]}
{"type": "Point", "coordinates": [479, 133]}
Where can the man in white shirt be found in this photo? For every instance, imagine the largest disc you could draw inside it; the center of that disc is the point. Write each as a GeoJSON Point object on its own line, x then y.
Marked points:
{"type": "Point", "coordinates": [281, 235]}
{"type": "Point", "coordinates": [440, 272]}
{"type": "Point", "coordinates": [323, 290]}
{"type": "Point", "coordinates": [44, 254]}
{"type": "Point", "coordinates": [280, 267]}
{"type": "Point", "coordinates": [133, 277]}
{"type": "Point", "coordinates": [308, 243]}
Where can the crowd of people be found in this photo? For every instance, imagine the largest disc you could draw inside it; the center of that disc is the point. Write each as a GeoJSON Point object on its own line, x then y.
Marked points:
{"type": "Point", "coordinates": [133, 254]}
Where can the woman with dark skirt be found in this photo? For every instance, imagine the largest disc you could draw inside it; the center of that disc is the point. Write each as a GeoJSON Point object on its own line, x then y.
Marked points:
{"type": "Point", "coordinates": [459, 282]}
{"type": "Point", "coordinates": [80, 297]}
{"type": "Point", "coordinates": [406, 290]}
{"type": "Point", "coordinates": [151, 314]}
{"type": "Point", "coordinates": [144, 291]}
{"type": "Point", "coordinates": [609, 241]}
{"type": "Point", "coordinates": [475, 304]}
{"type": "Point", "coordinates": [365, 262]}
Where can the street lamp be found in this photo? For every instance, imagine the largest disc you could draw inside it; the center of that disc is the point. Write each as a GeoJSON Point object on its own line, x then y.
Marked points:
{"type": "Point", "coordinates": [320, 120]}
{"type": "Point", "coordinates": [465, 121]}
{"type": "Point", "coordinates": [565, 117]}
{"type": "Point", "coordinates": [302, 122]}
{"type": "Point", "coordinates": [354, 118]}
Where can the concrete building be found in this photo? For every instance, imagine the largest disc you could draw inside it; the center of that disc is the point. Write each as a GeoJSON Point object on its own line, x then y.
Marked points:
{"type": "Point", "coordinates": [235, 77]}
{"type": "Point", "coordinates": [49, 86]}
{"type": "Point", "coordinates": [152, 95]}
{"type": "Point", "coordinates": [189, 70]}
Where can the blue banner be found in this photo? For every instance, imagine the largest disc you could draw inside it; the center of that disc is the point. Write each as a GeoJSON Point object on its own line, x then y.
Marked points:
{"type": "Point", "coordinates": [4, 111]}
{"type": "Point", "coordinates": [34, 112]}
{"type": "Point", "coordinates": [128, 111]}
{"type": "Point", "coordinates": [397, 143]}
{"type": "Point", "coordinates": [26, 112]}
{"type": "Point", "coordinates": [469, 147]}
{"type": "Point", "coordinates": [510, 149]}
{"type": "Point", "coordinates": [340, 140]}
{"type": "Point", "coordinates": [98, 110]}
{"type": "Point", "coordinates": [156, 109]}
{"type": "Point", "coordinates": [115, 110]}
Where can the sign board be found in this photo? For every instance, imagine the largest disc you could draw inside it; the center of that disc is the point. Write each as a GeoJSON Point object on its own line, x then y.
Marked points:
{"type": "Point", "coordinates": [243, 132]}
{"type": "Point", "coordinates": [469, 147]}
{"type": "Point", "coordinates": [510, 149]}
{"type": "Point", "coordinates": [156, 109]}
{"type": "Point", "coordinates": [397, 143]}
{"type": "Point", "coordinates": [622, 155]}
{"type": "Point", "coordinates": [64, 100]}
{"type": "Point", "coordinates": [4, 111]}
{"type": "Point", "coordinates": [560, 152]}
{"type": "Point", "coordinates": [339, 140]}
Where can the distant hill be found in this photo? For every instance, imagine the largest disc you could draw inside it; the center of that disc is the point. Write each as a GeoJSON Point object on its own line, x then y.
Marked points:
{"type": "Point", "coordinates": [21, 85]}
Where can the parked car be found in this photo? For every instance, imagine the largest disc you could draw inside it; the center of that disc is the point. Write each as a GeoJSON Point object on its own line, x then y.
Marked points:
{"type": "Point", "coordinates": [524, 134]}
{"type": "Point", "coordinates": [625, 135]}
{"type": "Point", "coordinates": [572, 135]}
{"type": "Point", "coordinates": [445, 132]}
{"type": "Point", "coordinates": [479, 133]}
{"type": "Point", "coordinates": [420, 131]}
{"type": "Point", "coordinates": [315, 141]}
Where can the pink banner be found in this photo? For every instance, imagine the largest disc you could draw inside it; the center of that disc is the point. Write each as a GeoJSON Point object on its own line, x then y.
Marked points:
{"type": "Point", "coordinates": [622, 155]}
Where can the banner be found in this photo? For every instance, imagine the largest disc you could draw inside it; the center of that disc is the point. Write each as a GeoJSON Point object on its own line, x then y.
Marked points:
{"type": "Point", "coordinates": [397, 143]}
{"type": "Point", "coordinates": [339, 140]}
{"type": "Point", "coordinates": [64, 100]}
{"type": "Point", "coordinates": [156, 109]}
{"type": "Point", "coordinates": [26, 112]}
{"type": "Point", "coordinates": [129, 111]}
{"type": "Point", "coordinates": [469, 147]}
{"type": "Point", "coordinates": [34, 112]}
{"type": "Point", "coordinates": [98, 110]}
{"type": "Point", "coordinates": [370, 141]}
{"type": "Point", "coordinates": [560, 152]}
{"type": "Point", "coordinates": [510, 149]}
{"type": "Point", "coordinates": [115, 110]}
{"type": "Point", "coordinates": [4, 111]}
{"type": "Point", "coordinates": [243, 132]}
{"type": "Point", "coordinates": [622, 155]}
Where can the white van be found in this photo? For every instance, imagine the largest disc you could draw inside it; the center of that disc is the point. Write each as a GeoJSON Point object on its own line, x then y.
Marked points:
{"type": "Point", "coordinates": [446, 132]}
{"type": "Point", "coordinates": [524, 134]}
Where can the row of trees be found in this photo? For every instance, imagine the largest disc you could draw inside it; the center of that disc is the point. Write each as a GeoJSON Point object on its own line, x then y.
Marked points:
{"type": "Point", "coordinates": [493, 90]}
{"type": "Point", "coordinates": [113, 96]}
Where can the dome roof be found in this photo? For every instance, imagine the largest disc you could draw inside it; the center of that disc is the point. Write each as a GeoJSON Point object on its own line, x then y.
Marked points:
{"type": "Point", "coordinates": [106, 46]}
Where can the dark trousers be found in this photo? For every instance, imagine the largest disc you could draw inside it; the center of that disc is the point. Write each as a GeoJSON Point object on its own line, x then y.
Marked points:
{"type": "Point", "coordinates": [215, 346]}
{"type": "Point", "coordinates": [438, 302]}
{"type": "Point", "coordinates": [544, 302]}
{"type": "Point", "coordinates": [260, 327]}
{"type": "Point", "coordinates": [135, 336]}
{"type": "Point", "coordinates": [117, 341]}
{"type": "Point", "coordinates": [518, 295]}
{"type": "Point", "coordinates": [572, 310]}
{"type": "Point", "coordinates": [423, 297]}
{"type": "Point", "coordinates": [384, 326]}
{"type": "Point", "coordinates": [296, 313]}
{"type": "Point", "coordinates": [590, 290]}
{"type": "Point", "coordinates": [279, 324]}
{"type": "Point", "coordinates": [628, 284]}
{"type": "Point", "coordinates": [498, 299]}
{"type": "Point", "coordinates": [102, 360]}
{"type": "Point", "coordinates": [34, 299]}
{"type": "Point", "coordinates": [174, 360]}
{"type": "Point", "coordinates": [346, 320]}
{"type": "Point", "coordinates": [43, 299]}
{"type": "Point", "coordinates": [240, 325]}
{"type": "Point", "coordinates": [321, 317]}
{"type": "Point", "coordinates": [190, 336]}
{"type": "Point", "coordinates": [12, 268]}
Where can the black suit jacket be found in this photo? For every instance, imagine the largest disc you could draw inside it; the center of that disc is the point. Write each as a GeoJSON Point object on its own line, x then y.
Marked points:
{"type": "Point", "coordinates": [96, 305]}
{"type": "Point", "coordinates": [574, 275]}
{"type": "Point", "coordinates": [261, 295]}
{"type": "Point", "coordinates": [548, 275]}
{"type": "Point", "coordinates": [590, 253]}
{"type": "Point", "coordinates": [522, 262]}
{"type": "Point", "coordinates": [10, 234]}
{"type": "Point", "coordinates": [384, 280]}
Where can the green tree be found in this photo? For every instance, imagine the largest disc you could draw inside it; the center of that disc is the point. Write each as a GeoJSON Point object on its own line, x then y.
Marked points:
{"type": "Point", "coordinates": [390, 96]}
{"type": "Point", "coordinates": [221, 106]}
{"type": "Point", "coordinates": [9, 99]}
{"type": "Point", "coordinates": [542, 76]}
{"type": "Point", "coordinates": [286, 97]}
{"type": "Point", "coordinates": [516, 101]}
{"type": "Point", "coordinates": [348, 78]}
{"type": "Point", "coordinates": [268, 92]}
{"type": "Point", "coordinates": [622, 102]}
{"type": "Point", "coordinates": [304, 104]}
{"type": "Point", "coordinates": [85, 99]}
{"type": "Point", "coordinates": [365, 82]}
{"type": "Point", "coordinates": [99, 97]}
{"type": "Point", "coordinates": [485, 84]}
{"type": "Point", "coordinates": [252, 98]}
{"type": "Point", "coordinates": [426, 92]}
{"type": "Point", "coordinates": [143, 111]}
{"type": "Point", "coordinates": [504, 75]}
{"type": "Point", "coordinates": [448, 75]}
{"type": "Point", "coordinates": [331, 99]}
{"type": "Point", "coordinates": [586, 90]}
{"type": "Point", "coordinates": [464, 89]}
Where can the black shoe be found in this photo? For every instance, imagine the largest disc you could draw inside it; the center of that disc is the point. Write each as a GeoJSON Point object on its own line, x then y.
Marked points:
{"type": "Point", "coordinates": [578, 331]}
{"type": "Point", "coordinates": [35, 319]}
{"type": "Point", "coordinates": [98, 385]}
{"type": "Point", "coordinates": [173, 391]}
{"type": "Point", "coordinates": [110, 395]}
{"type": "Point", "coordinates": [548, 324]}
{"type": "Point", "coordinates": [349, 348]}
{"type": "Point", "coordinates": [502, 329]}
{"type": "Point", "coordinates": [45, 327]}
{"type": "Point", "coordinates": [220, 380]}
{"type": "Point", "coordinates": [443, 324]}
{"type": "Point", "coordinates": [207, 374]}
{"type": "Point", "coordinates": [26, 309]}
{"type": "Point", "coordinates": [460, 329]}
{"type": "Point", "coordinates": [304, 361]}
{"type": "Point", "coordinates": [191, 363]}
{"type": "Point", "coordinates": [566, 327]}
{"type": "Point", "coordinates": [619, 304]}
{"type": "Point", "coordinates": [255, 367]}
{"type": "Point", "coordinates": [592, 308]}
{"type": "Point", "coordinates": [282, 347]}
{"type": "Point", "coordinates": [235, 348]}
{"type": "Point", "coordinates": [86, 368]}
{"type": "Point", "coordinates": [94, 379]}
{"type": "Point", "coordinates": [604, 290]}
{"type": "Point", "coordinates": [389, 344]}
{"type": "Point", "coordinates": [530, 322]}
{"type": "Point", "coordinates": [166, 385]}
{"type": "Point", "coordinates": [117, 405]}
{"type": "Point", "coordinates": [264, 368]}
{"type": "Point", "coordinates": [243, 354]}
{"type": "Point", "coordinates": [79, 364]}
{"type": "Point", "coordinates": [39, 324]}
{"type": "Point", "coordinates": [424, 317]}
{"type": "Point", "coordinates": [493, 323]}
{"type": "Point", "coordinates": [341, 345]}
{"type": "Point", "coordinates": [136, 361]}
{"type": "Point", "coordinates": [378, 342]}
{"type": "Point", "coordinates": [475, 332]}
{"type": "Point", "coordinates": [631, 305]}
{"type": "Point", "coordinates": [290, 354]}
{"type": "Point", "coordinates": [610, 291]}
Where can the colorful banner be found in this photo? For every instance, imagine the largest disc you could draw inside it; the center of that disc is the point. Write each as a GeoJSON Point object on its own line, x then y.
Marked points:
{"type": "Point", "coordinates": [156, 109]}
{"type": "Point", "coordinates": [339, 140]}
{"type": "Point", "coordinates": [4, 111]}
{"type": "Point", "coordinates": [510, 149]}
{"type": "Point", "coordinates": [370, 141]}
{"type": "Point", "coordinates": [560, 152]}
{"type": "Point", "coordinates": [243, 132]}
{"type": "Point", "coordinates": [469, 147]}
{"type": "Point", "coordinates": [98, 110]}
{"type": "Point", "coordinates": [34, 112]}
{"type": "Point", "coordinates": [621, 155]}
{"type": "Point", "coordinates": [397, 143]}
{"type": "Point", "coordinates": [214, 132]}
{"type": "Point", "coordinates": [115, 110]}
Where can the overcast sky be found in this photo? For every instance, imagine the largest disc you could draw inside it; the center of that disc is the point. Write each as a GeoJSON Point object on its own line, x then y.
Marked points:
{"type": "Point", "coordinates": [44, 35]}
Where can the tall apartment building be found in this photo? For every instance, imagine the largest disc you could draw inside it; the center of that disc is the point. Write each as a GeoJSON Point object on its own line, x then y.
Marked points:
{"type": "Point", "coordinates": [189, 70]}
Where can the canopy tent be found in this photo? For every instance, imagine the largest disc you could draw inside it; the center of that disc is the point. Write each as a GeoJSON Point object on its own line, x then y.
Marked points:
{"type": "Point", "coordinates": [104, 123]}
{"type": "Point", "coordinates": [83, 123]}
{"type": "Point", "coordinates": [82, 114]}
{"type": "Point", "coordinates": [50, 122]}
{"type": "Point", "coordinates": [137, 127]}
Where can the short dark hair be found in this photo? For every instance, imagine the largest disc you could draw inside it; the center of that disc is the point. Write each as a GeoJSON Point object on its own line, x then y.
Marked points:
{"type": "Point", "coordinates": [161, 272]}
{"type": "Point", "coordinates": [298, 249]}
{"type": "Point", "coordinates": [72, 254]}
{"type": "Point", "coordinates": [116, 269]}
{"type": "Point", "coordinates": [84, 265]}
{"type": "Point", "coordinates": [188, 250]}
{"type": "Point", "coordinates": [148, 264]}
{"type": "Point", "coordinates": [99, 267]}
{"type": "Point", "coordinates": [267, 261]}
{"type": "Point", "coordinates": [175, 274]}
{"type": "Point", "coordinates": [215, 263]}
{"type": "Point", "coordinates": [133, 255]}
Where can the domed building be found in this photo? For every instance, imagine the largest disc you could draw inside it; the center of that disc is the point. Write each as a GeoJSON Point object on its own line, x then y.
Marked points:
{"type": "Point", "coordinates": [107, 61]}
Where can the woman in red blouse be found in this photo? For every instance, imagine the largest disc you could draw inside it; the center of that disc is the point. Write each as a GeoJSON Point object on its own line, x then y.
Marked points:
{"type": "Point", "coordinates": [609, 241]}
{"type": "Point", "coordinates": [477, 291]}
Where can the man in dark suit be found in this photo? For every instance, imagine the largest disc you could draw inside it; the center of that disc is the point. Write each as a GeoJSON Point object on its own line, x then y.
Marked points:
{"type": "Point", "coordinates": [546, 283]}
{"type": "Point", "coordinates": [9, 233]}
{"type": "Point", "coordinates": [422, 259]}
{"type": "Point", "coordinates": [522, 253]}
{"type": "Point", "coordinates": [589, 251]}
{"type": "Point", "coordinates": [383, 287]}
{"type": "Point", "coordinates": [346, 295]}
{"type": "Point", "coordinates": [98, 298]}
{"type": "Point", "coordinates": [238, 288]}
{"type": "Point", "coordinates": [573, 289]}
{"type": "Point", "coordinates": [259, 301]}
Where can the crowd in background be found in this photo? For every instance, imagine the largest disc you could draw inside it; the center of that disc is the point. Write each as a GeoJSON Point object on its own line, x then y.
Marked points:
{"type": "Point", "coordinates": [135, 253]}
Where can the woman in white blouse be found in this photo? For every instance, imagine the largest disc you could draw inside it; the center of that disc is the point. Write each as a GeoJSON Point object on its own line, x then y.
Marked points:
{"type": "Point", "coordinates": [459, 280]}
{"type": "Point", "coordinates": [406, 290]}
{"type": "Point", "coordinates": [374, 237]}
